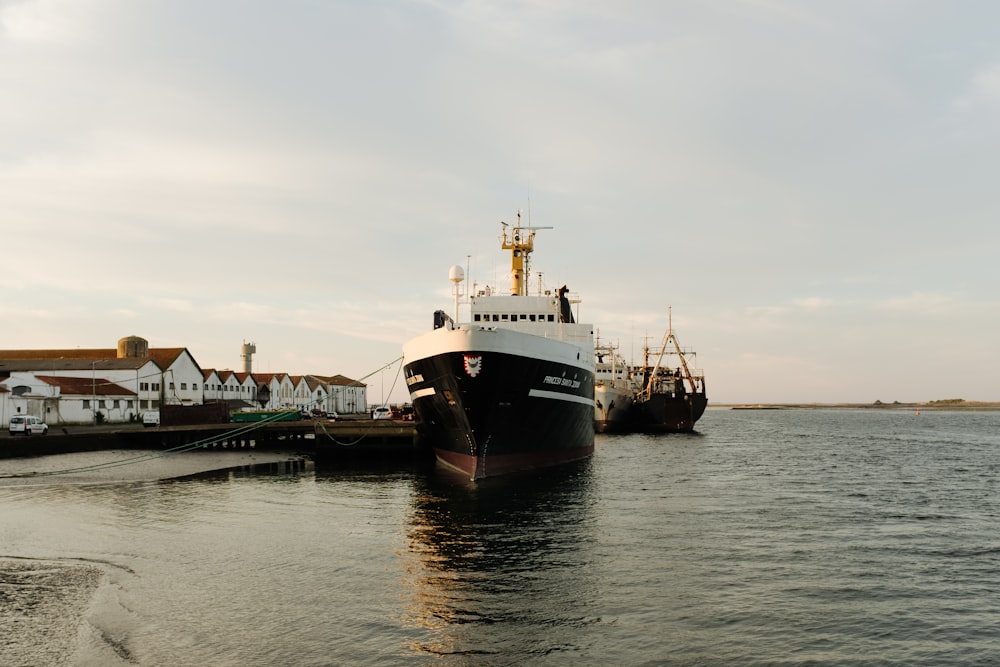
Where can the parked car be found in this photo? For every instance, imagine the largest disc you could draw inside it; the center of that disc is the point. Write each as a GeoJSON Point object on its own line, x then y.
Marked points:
{"type": "Point", "coordinates": [382, 413]}
{"type": "Point", "coordinates": [27, 425]}
{"type": "Point", "coordinates": [332, 415]}
{"type": "Point", "coordinates": [151, 418]}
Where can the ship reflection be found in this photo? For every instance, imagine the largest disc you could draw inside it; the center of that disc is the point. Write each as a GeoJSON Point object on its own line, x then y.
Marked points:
{"type": "Point", "coordinates": [501, 566]}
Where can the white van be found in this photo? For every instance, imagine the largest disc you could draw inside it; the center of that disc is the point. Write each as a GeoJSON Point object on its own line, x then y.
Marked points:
{"type": "Point", "coordinates": [151, 418]}
{"type": "Point", "coordinates": [27, 425]}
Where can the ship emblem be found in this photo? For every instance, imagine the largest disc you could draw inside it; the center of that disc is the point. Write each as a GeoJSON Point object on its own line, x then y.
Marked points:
{"type": "Point", "coordinates": [473, 364]}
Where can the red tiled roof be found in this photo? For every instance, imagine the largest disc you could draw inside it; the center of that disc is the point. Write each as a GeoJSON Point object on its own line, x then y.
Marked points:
{"type": "Point", "coordinates": [63, 364]}
{"type": "Point", "coordinates": [109, 353]}
{"type": "Point", "coordinates": [344, 381]}
{"type": "Point", "coordinates": [164, 356]}
{"type": "Point", "coordinates": [85, 386]}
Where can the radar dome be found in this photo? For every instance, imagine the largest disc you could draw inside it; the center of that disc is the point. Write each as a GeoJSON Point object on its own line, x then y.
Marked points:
{"type": "Point", "coordinates": [456, 274]}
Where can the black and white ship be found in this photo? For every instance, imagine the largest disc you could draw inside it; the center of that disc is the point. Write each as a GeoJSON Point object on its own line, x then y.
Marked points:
{"type": "Point", "coordinates": [671, 399]}
{"type": "Point", "coordinates": [513, 388]}
{"type": "Point", "coordinates": [614, 390]}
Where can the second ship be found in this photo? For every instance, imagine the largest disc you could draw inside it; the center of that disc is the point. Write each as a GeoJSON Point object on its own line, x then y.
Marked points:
{"type": "Point", "coordinates": [665, 396]}
{"type": "Point", "coordinates": [512, 388]}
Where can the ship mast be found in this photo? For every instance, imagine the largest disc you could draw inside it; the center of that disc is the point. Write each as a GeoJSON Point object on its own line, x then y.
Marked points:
{"type": "Point", "coordinates": [670, 337]}
{"type": "Point", "coordinates": [521, 243]}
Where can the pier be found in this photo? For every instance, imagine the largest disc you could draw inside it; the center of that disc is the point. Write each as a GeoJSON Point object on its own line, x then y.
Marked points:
{"type": "Point", "coordinates": [350, 439]}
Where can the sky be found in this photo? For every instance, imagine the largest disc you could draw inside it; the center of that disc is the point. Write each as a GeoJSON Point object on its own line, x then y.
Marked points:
{"type": "Point", "coordinates": [808, 186]}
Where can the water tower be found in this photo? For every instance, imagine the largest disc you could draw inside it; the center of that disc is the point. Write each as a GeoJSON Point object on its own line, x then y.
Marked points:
{"type": "Point", "coordinates": [246, 355]}
{"type": "Point", "coordinates": [133, 347]}
{"type": "Point", "coordinates": [456, 275]}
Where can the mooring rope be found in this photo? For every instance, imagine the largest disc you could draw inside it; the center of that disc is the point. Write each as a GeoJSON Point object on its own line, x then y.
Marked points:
{"type": "Point", "coordinates": [372, 427]}
{"type": "Point", "coordinates": [180, 449]}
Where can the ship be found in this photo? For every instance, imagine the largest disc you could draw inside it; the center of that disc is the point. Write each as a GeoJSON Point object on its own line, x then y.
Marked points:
{"type": "Point", "coordinates": [512, 388]}
{"type": "Point", "coordinates": [672, 397]}
{"type": "Point", "coordinates": [614, 389]}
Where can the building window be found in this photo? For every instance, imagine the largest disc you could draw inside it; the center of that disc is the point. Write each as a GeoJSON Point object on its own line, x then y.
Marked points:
{"type": "Point", "coordinates": [184, 386]}
{"type": "Point", "coordinates": [86, 404]}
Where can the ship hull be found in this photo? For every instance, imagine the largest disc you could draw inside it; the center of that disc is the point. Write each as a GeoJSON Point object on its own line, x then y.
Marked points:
{"type": "Point", "coordinates": [612, 409]}
{"type": "Point", "coordinates": [668, 413]}
{"type": "Point", "coordinates": [492, 401]}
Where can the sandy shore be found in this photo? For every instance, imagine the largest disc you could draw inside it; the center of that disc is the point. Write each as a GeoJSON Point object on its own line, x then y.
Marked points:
{"type": "Point", "coordinates": [41, 608]}
{"type": "Point", "coordinates": [963, 406]}
{"type": "Point", "coordinates": [111, 466]}
{"type": "Point", "coordinates": [44, 602]}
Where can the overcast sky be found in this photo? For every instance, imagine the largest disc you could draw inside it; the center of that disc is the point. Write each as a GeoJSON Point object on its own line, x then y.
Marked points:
{"type": "Point", "coordinates": [811, 186]}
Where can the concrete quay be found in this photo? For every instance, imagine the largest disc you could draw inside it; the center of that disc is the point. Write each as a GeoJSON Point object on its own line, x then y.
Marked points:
{"type": "Point", "coordinates": [382, 440]}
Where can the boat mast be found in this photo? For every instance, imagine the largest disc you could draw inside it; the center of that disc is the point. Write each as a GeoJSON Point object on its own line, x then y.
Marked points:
{"type": "Point", "coordinates": [521, 243]}
{"type": "Point", "coordinates": [670, 337]}
{"type": "Point", "coordinates": [683, 358]}
{"type": "Point", "coordinates": [656, 368]}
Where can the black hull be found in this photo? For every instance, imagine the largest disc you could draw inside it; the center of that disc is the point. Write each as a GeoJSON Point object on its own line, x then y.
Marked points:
{"type": "Point", "coordinates": [515, 413]}
{"type": "Point", "coordinates": [612, 426]}
{"type": "Point", "coordinates": [668, 413]}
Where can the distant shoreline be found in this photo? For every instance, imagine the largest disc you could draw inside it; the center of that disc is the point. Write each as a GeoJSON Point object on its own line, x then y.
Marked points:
{"type": "Point", "coordinates": [929, 406]}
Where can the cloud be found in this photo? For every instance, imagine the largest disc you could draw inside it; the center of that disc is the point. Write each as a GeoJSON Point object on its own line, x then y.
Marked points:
{"type": "Point", "coordinates": [169, 305]}
{"type": "Point", "coordinates": [925, 302]}
{"type": "Point", "coordinates": [984, 88]}
{"type": "Point", "coordinates": [812, 303]}
{"type": "Point", "coordinates": [44, 21]}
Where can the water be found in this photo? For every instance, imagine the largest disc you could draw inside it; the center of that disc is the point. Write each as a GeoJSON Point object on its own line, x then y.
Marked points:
{"type": "Point", "coordinates": [826, 537]}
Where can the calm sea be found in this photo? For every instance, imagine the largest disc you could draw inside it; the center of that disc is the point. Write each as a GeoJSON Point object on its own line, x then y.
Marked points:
{"type": "Point", "coordinates": [825, 537]}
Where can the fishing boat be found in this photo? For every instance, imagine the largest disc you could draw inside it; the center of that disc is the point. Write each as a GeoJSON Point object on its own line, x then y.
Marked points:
{"type": "Point", "coordinates": [513, 387]}
{"type": "Point", "coordinates": [614, 389]}
{"type": "Point", "coordinates": [672, 397]}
